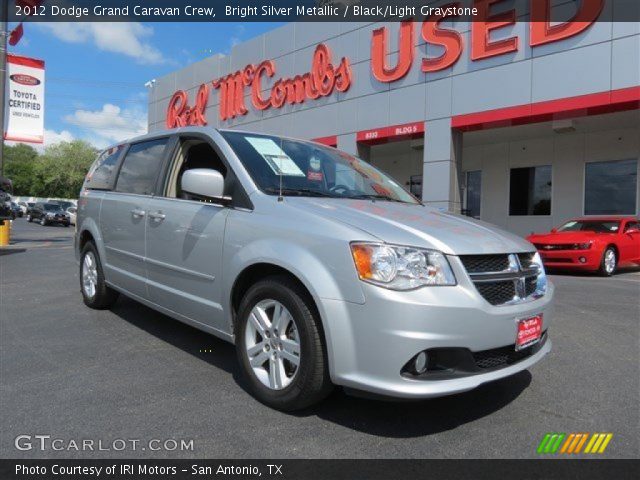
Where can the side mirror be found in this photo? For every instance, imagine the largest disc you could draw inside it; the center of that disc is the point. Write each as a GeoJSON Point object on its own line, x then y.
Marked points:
{"type": "Point", "coordinates": [205, 183]}
{"type": "Point", "coordinates": [633, 230]}
{"type": "Point", "coordinates": [554, 230]}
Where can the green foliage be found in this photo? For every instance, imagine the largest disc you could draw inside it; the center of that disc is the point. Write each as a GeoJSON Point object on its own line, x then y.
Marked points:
{"type": "Point", "coordinates": [19, 161]}
{"type": "Point", "coordinates": [58, 172]}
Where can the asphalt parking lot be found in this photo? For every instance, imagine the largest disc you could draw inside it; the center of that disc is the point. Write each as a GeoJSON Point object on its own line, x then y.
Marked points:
{"type": "Point", "coordinates": [131, 373]}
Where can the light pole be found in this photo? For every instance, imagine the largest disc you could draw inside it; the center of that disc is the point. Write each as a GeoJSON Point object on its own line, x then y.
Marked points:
{"type": "Point", "coordinates": [4, 33]}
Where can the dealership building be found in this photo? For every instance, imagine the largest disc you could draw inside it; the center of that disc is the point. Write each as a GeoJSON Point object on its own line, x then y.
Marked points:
{"type": "Point", "coordinates": [520, 124]}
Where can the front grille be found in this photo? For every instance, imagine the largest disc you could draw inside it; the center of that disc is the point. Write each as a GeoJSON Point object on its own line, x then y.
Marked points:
{"type": "Point", "coordinates": [530, 285]}
{"type": "Point", "coordinates": [497, 293]}
{"type": "Point", "coordinates": [485, 263]}
{"type": "Point", "coordinates": [526, 259]}
{"type": "Point", "coordinates": [551, 247]}
{"type": "Point", "coordinates": [504, 278]}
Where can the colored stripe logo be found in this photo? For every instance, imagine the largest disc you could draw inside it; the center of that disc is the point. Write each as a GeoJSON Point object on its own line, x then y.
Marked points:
{"type": "Point", "coordinates": [574, 443]}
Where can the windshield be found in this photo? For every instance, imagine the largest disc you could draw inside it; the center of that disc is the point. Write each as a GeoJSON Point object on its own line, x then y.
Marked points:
{"type": "Point", "coordinates": [309, 169]}
{"type": "Point", "coordinates": [52, 207]}
{"type": "Point", "coordinates": [607, 226]}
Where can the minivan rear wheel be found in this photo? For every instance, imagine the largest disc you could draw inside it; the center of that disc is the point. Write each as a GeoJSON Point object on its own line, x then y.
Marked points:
{"type": "Point", "coordinates": [280, 347]}
{"type": "Point", "coordinates": [95, 292]}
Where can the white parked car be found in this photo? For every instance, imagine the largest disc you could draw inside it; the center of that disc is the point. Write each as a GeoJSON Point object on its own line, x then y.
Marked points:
{"type": "Point", "coordinates": [71, 212]}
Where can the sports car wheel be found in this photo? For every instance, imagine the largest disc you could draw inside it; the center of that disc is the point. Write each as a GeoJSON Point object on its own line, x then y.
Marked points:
{"type": "Point", "coordinates": [609, 262]}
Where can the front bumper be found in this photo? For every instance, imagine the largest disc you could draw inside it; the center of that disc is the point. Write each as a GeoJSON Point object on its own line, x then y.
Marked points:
{"type": "Point", "coordinates": [369, 344]}
{"type": "Point", "coordinates": [571, 259]}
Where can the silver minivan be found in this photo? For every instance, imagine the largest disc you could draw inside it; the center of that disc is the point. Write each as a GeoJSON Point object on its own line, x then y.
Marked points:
{"type": "Point", "coordinates": [321, 269]}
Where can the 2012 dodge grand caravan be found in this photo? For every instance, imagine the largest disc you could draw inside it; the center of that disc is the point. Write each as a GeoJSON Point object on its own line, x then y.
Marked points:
{"type": "Point", "coordinates": [321, 269]}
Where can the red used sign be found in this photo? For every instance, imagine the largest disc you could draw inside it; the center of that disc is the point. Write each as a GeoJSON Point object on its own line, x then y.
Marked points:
{"type": "Point", "coordinates": [435, 33]}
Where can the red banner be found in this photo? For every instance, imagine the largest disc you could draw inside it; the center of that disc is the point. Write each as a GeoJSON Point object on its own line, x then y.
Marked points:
{"type": "Point", "coordinates": [392, 133]}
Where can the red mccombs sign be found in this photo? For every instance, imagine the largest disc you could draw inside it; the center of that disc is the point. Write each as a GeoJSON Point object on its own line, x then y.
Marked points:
{"type": "Point", "coordinates": [324, 77]}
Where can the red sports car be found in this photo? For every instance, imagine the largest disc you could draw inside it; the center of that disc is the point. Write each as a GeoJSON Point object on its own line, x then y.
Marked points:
{"type": "Point", "coordinates": [597, 244]}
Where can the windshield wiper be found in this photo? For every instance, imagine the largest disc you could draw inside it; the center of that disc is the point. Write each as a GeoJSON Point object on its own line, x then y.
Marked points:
{"type": "Point", "coordinates": [372, 196]}
{"type": "Point", "coordinates": [302, 192]}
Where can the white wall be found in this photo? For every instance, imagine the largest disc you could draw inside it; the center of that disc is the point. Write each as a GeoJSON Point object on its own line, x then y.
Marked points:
{"type": "Point", "coordinates": [566, 153]}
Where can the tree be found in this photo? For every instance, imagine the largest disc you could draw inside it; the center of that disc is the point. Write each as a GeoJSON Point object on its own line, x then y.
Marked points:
{"type": "Point", "coordinates": [60, 170]}
{"type": "Point", "coordinates": [19, 165]}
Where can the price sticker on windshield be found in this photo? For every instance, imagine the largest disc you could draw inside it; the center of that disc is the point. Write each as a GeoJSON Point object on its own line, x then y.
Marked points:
{"type": "Point", "coordinates": [277, 159]}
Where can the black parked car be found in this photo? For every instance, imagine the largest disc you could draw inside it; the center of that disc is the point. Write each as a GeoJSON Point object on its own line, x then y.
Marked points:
{"type": "Point", "coordinates": [16, 211]}
{"type": "Point", "coordinates": [5, 199]}
{"type": "Point", "coordinates": [48, 213]}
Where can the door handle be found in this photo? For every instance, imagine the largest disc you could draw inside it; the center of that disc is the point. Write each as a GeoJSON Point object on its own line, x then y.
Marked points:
{"type": "Point", "coordinates": [138, 213]}
{"type": "Point", "coordinates": [157, 216]}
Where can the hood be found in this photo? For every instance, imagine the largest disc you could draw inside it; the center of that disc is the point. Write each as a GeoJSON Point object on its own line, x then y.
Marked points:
{"type": "Point", "coordinates": [564, 237]}
{"type": "Point", "coordinates": [415, 225]}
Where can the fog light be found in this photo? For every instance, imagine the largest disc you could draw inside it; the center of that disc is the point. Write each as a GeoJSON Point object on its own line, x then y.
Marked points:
{"type": "Point", "coordinates": [420, 364]}
{"type": "Point", "coordinates": [582, 260]}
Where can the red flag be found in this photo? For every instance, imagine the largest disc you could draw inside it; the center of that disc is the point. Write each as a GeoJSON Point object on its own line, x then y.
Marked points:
{"type": "Point", "coordinates": [16, 35]}
{"type": "Point", "coordinates": [29, 3]}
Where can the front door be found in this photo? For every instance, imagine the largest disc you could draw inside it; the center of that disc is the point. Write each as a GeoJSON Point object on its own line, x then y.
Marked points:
{"type": "Point", "coordinates": [184, 257]}
{"type": "Point", "coordinates": [184, 241]}
{"type": "Point", "coordinates": [630, 242]}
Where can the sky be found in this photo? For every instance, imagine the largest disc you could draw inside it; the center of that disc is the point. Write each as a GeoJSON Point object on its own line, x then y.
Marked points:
{"type": "Point", "coordinates": [95, 72]}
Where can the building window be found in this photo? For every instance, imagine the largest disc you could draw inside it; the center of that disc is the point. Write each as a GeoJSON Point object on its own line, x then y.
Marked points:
{"type": "Point", "coordinates": [472, 198]}
{"type": "Point", "coordinates": [530, 191]}
{"type": "Point", "coordinates": [610, 188]}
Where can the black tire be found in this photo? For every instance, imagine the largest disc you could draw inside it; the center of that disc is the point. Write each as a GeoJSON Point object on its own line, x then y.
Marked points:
{"type": "Point", "coordinates": [104, 296]}
{"type": "Point", "coordinates": [311, 383]}
{"type": "Point", "coordinates": [604, 271]}
{"type": "Point", "coordinates": [29, 218]}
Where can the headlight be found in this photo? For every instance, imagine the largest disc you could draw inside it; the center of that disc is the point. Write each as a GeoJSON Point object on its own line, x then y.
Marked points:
{"type": "Point", "coordinates": [541, 285]}
{"type": "Point", "coordinates": [401, 268]}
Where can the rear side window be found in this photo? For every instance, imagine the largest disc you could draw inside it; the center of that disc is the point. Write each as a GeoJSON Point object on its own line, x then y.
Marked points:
{"type": "Point", "coordinates": [102, 172]}
{"type": "Point", "coordinates": [140, 167]}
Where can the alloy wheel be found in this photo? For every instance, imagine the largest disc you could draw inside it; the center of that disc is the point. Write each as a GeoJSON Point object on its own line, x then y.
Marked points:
{"type": "Point", "coordinates": [272, 344]}
{"type": "Point", "coordinates": [610, 261]}
{"type": "Point", "coordinates": [89, 275]}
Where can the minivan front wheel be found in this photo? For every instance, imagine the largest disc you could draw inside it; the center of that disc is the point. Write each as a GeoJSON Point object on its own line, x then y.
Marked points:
{"type": "Point", "coordinates": [280, 346]}
{"type": "Point", "coordinates": [95, 292]}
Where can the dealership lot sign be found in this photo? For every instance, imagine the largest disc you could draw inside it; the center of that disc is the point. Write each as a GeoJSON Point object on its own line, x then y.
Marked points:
{"type": "Point", "coordinates": [24, 111]}
{"type": "Point", "coordinates": [324, 78]}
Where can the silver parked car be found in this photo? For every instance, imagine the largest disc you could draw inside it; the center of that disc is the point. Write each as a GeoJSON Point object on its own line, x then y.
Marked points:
{"type": "Point", "coordinates": [321, 269]}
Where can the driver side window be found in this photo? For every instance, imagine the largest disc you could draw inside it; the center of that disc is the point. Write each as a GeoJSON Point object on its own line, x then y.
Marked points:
{"type": "Point", "coordinates": [632, 226]}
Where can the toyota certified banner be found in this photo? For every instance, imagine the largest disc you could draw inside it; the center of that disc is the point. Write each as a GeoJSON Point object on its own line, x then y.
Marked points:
{"type": "Point", "coordinates": [24, 110]}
